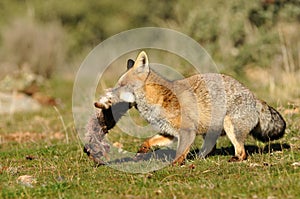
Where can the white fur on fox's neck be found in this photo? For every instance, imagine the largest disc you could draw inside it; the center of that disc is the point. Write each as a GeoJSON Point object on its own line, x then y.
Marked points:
{"type": "Point", "coordinates": [127, 96]}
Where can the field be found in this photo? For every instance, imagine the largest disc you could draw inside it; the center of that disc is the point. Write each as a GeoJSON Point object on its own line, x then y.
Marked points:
{"type": "Point", "coordinates": [41, 153]}
{"type": "Point", "coordinates": [44, 145]}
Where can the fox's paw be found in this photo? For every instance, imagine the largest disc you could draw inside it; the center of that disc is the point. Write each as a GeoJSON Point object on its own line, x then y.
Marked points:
{"type": "Point", "coordinates": [179, 161]}
{"type": "Point", "coordinates": [236, 159]}
{"type": "Point", "coordinates": [145, 148]}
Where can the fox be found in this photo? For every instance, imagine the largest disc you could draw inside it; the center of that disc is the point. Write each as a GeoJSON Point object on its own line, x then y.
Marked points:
{"type": "Point", "coordinates": [208, 104]}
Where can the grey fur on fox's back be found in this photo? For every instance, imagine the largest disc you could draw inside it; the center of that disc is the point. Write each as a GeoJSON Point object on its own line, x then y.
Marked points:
{"type": "Point", "coordinates": [202, 104]}
{"type": "Point", "coordinates": [269, 123]}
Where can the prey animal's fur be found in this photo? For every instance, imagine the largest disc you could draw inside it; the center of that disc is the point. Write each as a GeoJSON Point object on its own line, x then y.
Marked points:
{"type": "Point", "coordinates": [99, 124]}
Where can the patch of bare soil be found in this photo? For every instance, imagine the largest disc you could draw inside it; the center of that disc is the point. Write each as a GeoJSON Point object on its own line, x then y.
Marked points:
{"type": "Point", "coordinates": [22, 137]}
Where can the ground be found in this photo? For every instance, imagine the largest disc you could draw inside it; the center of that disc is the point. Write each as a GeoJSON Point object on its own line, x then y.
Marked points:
{"type": "Point", "coordinates": [42, 156]}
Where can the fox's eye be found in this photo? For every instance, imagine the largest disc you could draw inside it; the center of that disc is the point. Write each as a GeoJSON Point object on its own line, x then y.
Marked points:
{"type": "Point", "coordinates": [130, 63]}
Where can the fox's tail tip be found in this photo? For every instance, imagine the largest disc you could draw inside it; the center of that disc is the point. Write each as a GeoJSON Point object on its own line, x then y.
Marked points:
{"type": "Point", "coordinates": [271, 124]}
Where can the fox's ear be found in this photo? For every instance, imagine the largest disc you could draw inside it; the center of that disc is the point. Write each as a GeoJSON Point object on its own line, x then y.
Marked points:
{"type": "Point", "coordinates": [141, 63]}
{"type": "Point", "coordinates": [130, 63]}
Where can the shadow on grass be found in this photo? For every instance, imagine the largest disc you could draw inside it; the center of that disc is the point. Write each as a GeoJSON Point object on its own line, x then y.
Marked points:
{"type": "Point", "coordinates": [165, 155]}
{"type": "Point", "coordinates": [169, 154]}
{"type": "Point", "coordinates": [250, 149]}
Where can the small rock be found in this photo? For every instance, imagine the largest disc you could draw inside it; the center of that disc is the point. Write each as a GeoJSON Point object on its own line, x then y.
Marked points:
{"type": "Point", "coordinates": [30, 157]}
{"type": "Point", "coordinates": [118, 145]}
{"type": "Point", "coordinates": [254, 165]}
{"type": "Point", "coordinates": [26, 180]}
{"type": "Point", "coordinates": [158, 192]}
{"type": "Point", "coordinates": [296, 164]}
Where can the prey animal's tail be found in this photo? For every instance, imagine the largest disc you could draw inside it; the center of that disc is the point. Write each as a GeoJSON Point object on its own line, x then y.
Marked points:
{"type": "Point", "coordinates": [271, 125]}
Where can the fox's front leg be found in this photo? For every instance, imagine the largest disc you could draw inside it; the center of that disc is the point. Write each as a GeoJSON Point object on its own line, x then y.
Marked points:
{"type": "Point", "coordinates": [209, 143]}
{"type": "Point", "coordinates": [186, 138]}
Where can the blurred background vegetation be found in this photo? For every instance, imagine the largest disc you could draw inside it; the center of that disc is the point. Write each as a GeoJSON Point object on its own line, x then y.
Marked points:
{"type": "Point", "coordinates": [256, 41]}
{"type": "Point", "coordinates": [43, 43]}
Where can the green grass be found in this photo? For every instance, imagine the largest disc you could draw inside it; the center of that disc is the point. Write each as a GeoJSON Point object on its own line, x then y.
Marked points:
{"type": "Point", "coordinates": [62, 170]}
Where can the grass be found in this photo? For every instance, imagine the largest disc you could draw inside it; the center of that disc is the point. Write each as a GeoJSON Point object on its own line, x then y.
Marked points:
{"type": "Point", "coordinates": [62, 170]}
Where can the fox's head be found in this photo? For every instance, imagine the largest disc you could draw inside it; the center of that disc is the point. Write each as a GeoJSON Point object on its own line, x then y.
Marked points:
{"type": "Point", "coordinates": [137, 72]}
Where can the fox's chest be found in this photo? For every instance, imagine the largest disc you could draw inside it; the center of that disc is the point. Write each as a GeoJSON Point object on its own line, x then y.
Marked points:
{"type": "Point", "coordinates": [156, 115]}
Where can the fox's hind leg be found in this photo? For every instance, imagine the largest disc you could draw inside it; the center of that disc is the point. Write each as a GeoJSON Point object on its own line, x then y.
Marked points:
{"type": "Point", "coordinates": [237, 138]}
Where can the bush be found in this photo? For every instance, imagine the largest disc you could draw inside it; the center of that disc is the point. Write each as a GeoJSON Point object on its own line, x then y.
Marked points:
{"type": "Point", "coordinates": [39, 47]}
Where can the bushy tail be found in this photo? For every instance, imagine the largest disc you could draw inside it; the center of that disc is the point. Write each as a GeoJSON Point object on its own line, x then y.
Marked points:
{"type": "Point", "coordinates": [271, 125]}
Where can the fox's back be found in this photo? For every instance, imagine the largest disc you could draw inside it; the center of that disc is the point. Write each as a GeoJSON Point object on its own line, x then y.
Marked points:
{"type": "Point", "coordinates": [218, 88]}
{"type": "Point", "coordinates": [216, 96]}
